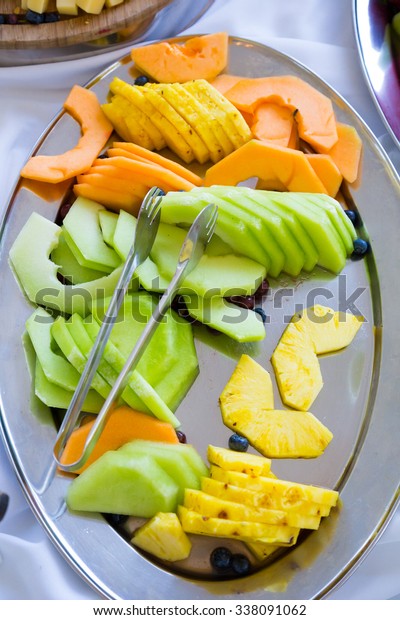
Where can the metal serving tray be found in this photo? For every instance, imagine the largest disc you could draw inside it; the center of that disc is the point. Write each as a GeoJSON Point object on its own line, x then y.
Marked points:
{"type": "Point", "coordinates": [359, 401]}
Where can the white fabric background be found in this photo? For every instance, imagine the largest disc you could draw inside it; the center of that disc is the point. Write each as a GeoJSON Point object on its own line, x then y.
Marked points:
{"type": "Point", "coordinates": [318, 33]}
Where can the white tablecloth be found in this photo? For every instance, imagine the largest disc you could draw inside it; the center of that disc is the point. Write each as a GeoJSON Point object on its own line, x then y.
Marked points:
{"type": "Point", "coordinates": [317, 33]}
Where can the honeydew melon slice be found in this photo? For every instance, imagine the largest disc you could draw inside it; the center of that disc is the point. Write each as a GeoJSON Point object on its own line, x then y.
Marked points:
{"type": "Point", "coordinates": [187, 451]}
{"type": "Point", "coordinates": [108, 223]}
{"type": "Point", "coordinates": [69, 267]}
{"type": "Point", "coordinates": [37, 273]}
{"type": "Point", "coordinates": [239, 323]}
{"type": "Point", "coordinates": [169, 363]}
{"type": "Point", "coordinates": [275, 253]}
{"type": "Point", "coordinates": [330, 247]}
{"type": "Point", "coordinates": [120, 483]}
{"type": "Point", "coordinates": [84, 343]}
{"type": "Point", "coordinates": [69, 348]}
{"type": "Point", "coordinates": [338, 217]}
{"type": "Point", "coordinates": [56, 367]}
{"type": "Point", "coordinates": [183, 208]}
{"type": "Point", "coordinates": [274, 227]}
{"type": "Point", "coordinates": [173, 462]}
{"type": "Point", "coordinates": [175, 384]}
{"type": "Point", "coordinates": [148, 272]}
{"type": "Point", "coordinates": [56, 396]}
{"type": "Point", "coordinates": [84, 237]}
{"type": "Point", "coordinates": [296, 229]}
{"type": "Point", "coordinates": [224, 275]}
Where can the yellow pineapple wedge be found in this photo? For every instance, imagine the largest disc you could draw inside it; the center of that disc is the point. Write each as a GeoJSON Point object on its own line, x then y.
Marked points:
{"type": "Point", "coordinates": [290, 493]}
{"type": "Point", "coordinates": [329, 330]}
{"type": "Point", "coordinates": [250, 387]}
{"type": "Point", "coordinates": [262, 499]}
{"type": "Point", "coordinates": [210, 506]}
{"type": "Point", "coordinates": [198, 116]}
{"type": "Point", "coordinates": [239, 461]}
{"type": "Point", "coordinates": [297, 368]}
{"type": "Point", "coordinates": [195, 523]}
{"type": "Point", "coordinates": [163, 537]}
{"type": "Point", "coordinates": [282, 433]}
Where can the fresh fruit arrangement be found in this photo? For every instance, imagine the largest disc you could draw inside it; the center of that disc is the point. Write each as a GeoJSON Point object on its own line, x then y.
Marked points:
{"type": "Point", "coordinates": [196, 133]}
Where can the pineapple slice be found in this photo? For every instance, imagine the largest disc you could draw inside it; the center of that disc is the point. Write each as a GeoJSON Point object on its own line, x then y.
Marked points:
{"type": "Point", "coordinates": [260, 499]}
{"type": "Point", "coordinates": [196, 523]}
{"type": "Point", "coordinates": [296, 367]}
{"type": "Point", "coordinates": [210, 506]}
{"type": "Point", "coordinates": [290, 493]}
{"type": "Point", "coordinates": [250, 387]}
{"type": "Point", "coordinates": [281, 433]}
{"type": "Point", "coordinates": [163, 537]}
{"type": "Point", "coordinates": [329, 330]}
{"type": "Point", "coordinates": [238, 461]}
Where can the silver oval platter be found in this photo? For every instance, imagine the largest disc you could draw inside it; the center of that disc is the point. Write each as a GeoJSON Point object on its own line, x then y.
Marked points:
{"type": "Point", "coordinates": [358, 403]}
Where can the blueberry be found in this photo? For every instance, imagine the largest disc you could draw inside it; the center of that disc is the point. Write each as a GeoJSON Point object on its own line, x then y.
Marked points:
{"type": "Point", "coordinates": [238, 443]}
{"type": "Point", "coordinates": [34, 18]}
{"type": "Point", "coordinates": [243, 301]}
{"type": "Point", "coordinates": [51, 17]}
{"type": "Point", "coordinates": [141, 80]}
{"type": "Point", "coordinates": [181, 436]}
{"type": "Point", "coordinates": [361, 247]}
{"type": "Point", "coordinates": [354, 217]}
{"type": "Point", "coordinates": [240, 564]}
{"type": "Point", "coordinates": [2, 19]}
{"type": "Point", "coordinates": [221, 559]}
{"type": "Point", "coordinates": [262, 314]}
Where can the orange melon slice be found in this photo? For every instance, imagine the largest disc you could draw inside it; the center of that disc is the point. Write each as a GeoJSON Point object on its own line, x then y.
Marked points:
{"type": "Point", "coordinates": [313, 111]}
{"type": "Point", "coordinates": [278, 166]}
{"type": "Point", "coordinates": [199, 57]}
{"type": "Point", "coordinates": [84, 107]}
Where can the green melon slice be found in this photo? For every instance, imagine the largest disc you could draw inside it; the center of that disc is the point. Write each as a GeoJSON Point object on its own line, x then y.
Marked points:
{"type": "Point", "coordinates": [53, 395]}
{"type": "Point", "coordinates": [84, 236]}
{"type": "Point", "coordinates": [173, 462]}
{"type": "Point", "coordinates": [273, 227]}
{"type": "Point", "coordinates": [183, 208]}
{"type": "Point", "coordinates": [108, 223]}
{"type": "Point", "coordinates": [69, 267]}
{"type": "Point", "coordinates": [37, 274]}
{"type": "Point", "coordinates": [223, 275]}
{"type": "Point", "coordinates": [120, 483]}
{"type": "Point", "coordinates": [241, 324]}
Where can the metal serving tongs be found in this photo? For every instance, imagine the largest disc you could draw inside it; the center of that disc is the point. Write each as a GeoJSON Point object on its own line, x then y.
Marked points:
{"type": "Point", "coordinates": [192, 250]}
{"type": "Point", "coordinates": [145, 234]}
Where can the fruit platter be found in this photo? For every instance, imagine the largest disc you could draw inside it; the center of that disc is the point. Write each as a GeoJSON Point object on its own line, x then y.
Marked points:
{"type": "Point", "coordinates": [254, 451]}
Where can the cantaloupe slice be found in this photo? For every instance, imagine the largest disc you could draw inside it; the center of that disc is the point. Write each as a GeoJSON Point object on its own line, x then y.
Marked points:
{"type": "Point", "coordinates": [346, 153]}
{"type": "Point", "coordinates": [274, 123]}
{"type": "Point", "coordinates": [109, 198]}
{"type": "Point", "coordinates": [199, 57]}
{"type": "Point", "coordinates": [84, 107]}
{"type": "Point", "coordinates": [314, 112]}
{"type": "Point", "coordinates": [327, 171]}
{"type": "Point", "coordinates": [286, 167]}
{"type": "Point", "coordinates": [225, 81]}
{"type": "Point", "coordinates": [134, 149]}
{"type": "Point", "coordinates": [123, 425]}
